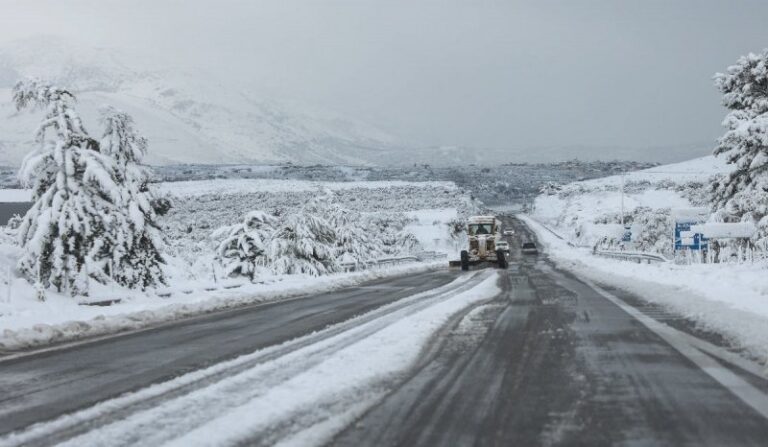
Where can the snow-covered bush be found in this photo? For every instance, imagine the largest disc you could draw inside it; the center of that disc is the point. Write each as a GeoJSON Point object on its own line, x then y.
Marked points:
{"type": "Point", "coordinates": [244, 250]}
{"type": "Point", "coordinates": [743, 194]}
{"type": "Point", "coordinates": [391, 235]}
{"type": "Point", "coordinates": [652, 230]}
{"type": "Point", "coordinates": [314, 239]}
{"type": "Point", "coordinates": [303, 243]}
{"type": "Point", "coordinates": [354, 242]}
{"type": "Point", "coordinates": [14, 222]}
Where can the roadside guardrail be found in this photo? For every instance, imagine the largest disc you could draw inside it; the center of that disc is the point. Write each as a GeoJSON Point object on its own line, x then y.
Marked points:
{"type": "Point", "coordinates": [637, 256]}
{"type": "Point", "coordinates": [418, 257]}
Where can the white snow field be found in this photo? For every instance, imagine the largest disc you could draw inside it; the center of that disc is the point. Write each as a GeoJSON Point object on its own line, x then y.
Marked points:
{"type": "Point", "coordinates": [300, 393]}
{"type": "Point", "coordinates": [196, 279]}
{"type": "Point", "coordinates": [731, 299]}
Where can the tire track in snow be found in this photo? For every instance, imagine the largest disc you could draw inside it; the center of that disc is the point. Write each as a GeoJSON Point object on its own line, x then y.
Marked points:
{"type": "Point", "coordinates": [159, 413]}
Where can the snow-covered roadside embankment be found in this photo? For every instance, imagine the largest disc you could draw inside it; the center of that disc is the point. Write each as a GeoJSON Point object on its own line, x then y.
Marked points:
{"type": "Point", "coordinates": [729, 299]}
{"type": "Point", "coordinates": [59, 319]}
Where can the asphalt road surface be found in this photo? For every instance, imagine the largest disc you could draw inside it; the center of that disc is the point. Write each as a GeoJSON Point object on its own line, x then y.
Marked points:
{"type": "Point", "coordinates": [556, 363]}
{"type": "Point", "coordinates": [552, 360]}
{"type": "Point", "coordinates": [41, 387]}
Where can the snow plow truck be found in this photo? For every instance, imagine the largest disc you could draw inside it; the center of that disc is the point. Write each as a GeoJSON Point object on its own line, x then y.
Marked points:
{"type": "Point", "coordinates": [482, 233]}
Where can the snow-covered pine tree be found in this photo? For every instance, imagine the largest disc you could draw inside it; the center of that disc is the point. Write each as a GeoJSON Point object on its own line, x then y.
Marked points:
{"type": "Point", "coordinates": [742, 195]}
{"type": "Point", "coordinates": [303, 243]}
{"type": "Point", "coordinates": [136, 238]}
{"type": "Point", "coordinates": [244, 250]}
{"type": "Point", "coordinates": [74, 191]}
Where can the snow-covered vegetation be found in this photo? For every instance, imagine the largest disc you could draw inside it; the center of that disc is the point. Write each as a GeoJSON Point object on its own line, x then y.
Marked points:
{"type": "Point", "coordinates": [589, 212]}
{"type": "Point", "coordinates": [731, 186]}
{"type": "Point", "coordinates": [742, 195]}
{"type": "Point", "coordinates": [99, 231]}
{"type": "Point", "coordinates": [91, 218]}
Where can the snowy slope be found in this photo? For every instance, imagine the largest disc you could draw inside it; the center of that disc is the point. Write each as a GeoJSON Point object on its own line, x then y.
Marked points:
{"type": "Point", "coordinates": [188, 116]}
{"type": "Point", "coordinates": [573, 211]}
{"type": "Point", "coordinates": [726, 298]}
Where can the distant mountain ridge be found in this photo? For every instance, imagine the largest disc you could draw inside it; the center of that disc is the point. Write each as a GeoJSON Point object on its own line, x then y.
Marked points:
{"type": "Point", "coordinates": [191, 117]}
{"type": "Point", "coordinates": [187, 116]}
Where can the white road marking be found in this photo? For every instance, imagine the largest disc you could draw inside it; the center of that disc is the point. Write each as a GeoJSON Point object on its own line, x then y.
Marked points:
{"type": "Point", "coordinates": [694, 350]}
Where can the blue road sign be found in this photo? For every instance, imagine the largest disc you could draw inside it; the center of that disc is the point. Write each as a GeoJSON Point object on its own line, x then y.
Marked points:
{"type": "Point", "coordinates": [697, 242]}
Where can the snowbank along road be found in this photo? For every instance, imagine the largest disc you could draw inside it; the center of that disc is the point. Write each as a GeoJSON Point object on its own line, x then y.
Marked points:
{"type": "Point", "coordinates": [527, 356]}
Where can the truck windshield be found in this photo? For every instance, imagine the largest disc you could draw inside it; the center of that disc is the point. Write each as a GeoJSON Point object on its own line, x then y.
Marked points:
{"type": "Point", "coordinates": [475, 229]}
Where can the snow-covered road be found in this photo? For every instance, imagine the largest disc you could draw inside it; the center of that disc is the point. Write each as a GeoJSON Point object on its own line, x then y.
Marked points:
{"type": "Point", "coordinates": [534, 355]}
{"type": "Point", "coordinates": [304, 389]}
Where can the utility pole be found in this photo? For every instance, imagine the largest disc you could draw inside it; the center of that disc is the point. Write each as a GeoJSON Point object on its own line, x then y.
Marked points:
{"type": "Point", "coordinates": [622, 200]}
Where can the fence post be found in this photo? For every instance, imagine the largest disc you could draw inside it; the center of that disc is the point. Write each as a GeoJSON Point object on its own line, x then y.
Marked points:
{"type": "Point", "coordinates": [10, 283]}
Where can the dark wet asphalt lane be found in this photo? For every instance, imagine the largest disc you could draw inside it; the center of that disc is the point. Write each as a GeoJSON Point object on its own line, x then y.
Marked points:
{"type": "Point", "coordinates": [40, 387]}
{"type": "Point", "coordinates": [548, 362]}
{"type": "Point", "coordinates": [557, 364]}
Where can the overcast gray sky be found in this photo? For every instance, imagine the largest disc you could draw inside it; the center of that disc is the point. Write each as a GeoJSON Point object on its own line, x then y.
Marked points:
{"type": "Point", "coordinates": [524, 73]}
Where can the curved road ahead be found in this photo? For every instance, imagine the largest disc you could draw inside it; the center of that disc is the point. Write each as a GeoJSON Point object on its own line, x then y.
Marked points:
{"type": "Point", "coordinates": [552, 360]}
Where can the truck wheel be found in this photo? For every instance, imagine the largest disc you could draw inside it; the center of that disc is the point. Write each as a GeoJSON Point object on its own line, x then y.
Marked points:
{"type": "Point", "coordinates": [502, 259]}
{"type": "Point", "coordinates": [464, 260]}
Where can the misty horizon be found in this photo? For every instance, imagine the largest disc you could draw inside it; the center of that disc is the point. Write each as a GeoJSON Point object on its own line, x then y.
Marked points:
{"type": "Point", "coordinates": [539, 80]}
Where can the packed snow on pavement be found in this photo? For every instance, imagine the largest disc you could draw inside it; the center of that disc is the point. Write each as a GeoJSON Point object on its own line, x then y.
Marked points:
{"type": "Point", "coordinates": [304, 396]}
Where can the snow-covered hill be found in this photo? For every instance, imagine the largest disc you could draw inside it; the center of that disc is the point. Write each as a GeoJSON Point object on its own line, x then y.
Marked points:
{"type": "Point", "coordinates": [728, 297]}
{"type": "Point", "coordinates": [584, 211]}
{"type": "Point", "coordinates": [188, 116]}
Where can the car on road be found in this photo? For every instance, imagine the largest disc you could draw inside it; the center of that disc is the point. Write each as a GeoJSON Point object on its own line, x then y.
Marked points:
{"type": "Point", "coordinates": [509, 232]}
{"type": "Point", "coordinates": [503, 246]}
{"type": "Point", "coordinates": [529, 248]}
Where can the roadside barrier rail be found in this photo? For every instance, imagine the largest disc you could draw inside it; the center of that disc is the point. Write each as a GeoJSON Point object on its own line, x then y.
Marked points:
{"type": "Point", "coordinates": [637, 256]}
{"type": "Point", "coordinates": [418, 257]}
